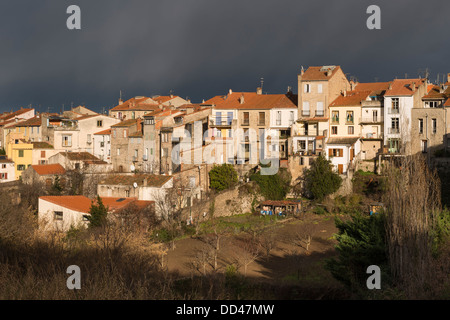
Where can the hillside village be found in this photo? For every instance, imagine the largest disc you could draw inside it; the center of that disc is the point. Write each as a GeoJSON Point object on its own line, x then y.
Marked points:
{"type": "Point", "coordinates": [148, 146]}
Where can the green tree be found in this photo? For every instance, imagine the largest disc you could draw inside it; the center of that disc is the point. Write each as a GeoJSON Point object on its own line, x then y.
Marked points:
{"type": "Point", "coordinates": [361, 243]}
{"type": "Point", "coordinates": [273, 187]}
{"type": "Point", "coordinates": [56, 188]}
{"type": "Point", "coordinates": [2, 152]}
{"type": "Point", "coordinates": [97, 213]}
{"type": "Point", "coordinates": [223, 177]}
{"type": "Point", "coordinates": [320, 180]}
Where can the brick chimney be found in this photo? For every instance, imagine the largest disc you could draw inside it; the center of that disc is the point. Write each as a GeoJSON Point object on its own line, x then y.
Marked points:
{"type": "Point", "coordinates": [259, 90]}
{"type": "Point", "coordinates": [241, 99]}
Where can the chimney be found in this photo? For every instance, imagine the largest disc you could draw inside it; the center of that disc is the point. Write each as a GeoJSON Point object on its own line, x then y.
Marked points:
{"type": "Point", "coordinates": [344, 93]}
{"type": "Point", "coordinates": [329, 71]}
{"type": "Point", "coordinates": [241, 99]}
{"type": "Point", "coordinates": [448, 77]}
{"type": "Point", "coordinates": [259, 90]}
{"type": "Point", "coordinates": [171, 96]}
{"type": "Point", "coordinates": [413, 87]}
{"type": "Point", "coordinates": [302, 72]}
{"type": "Point", "coordinates": [145, 182]}
{"type": "Point", "coordinates": [120, 102]}
{"type": "Point", "coordinates": [390, 85]}
{"type": "Point", "coordinates": [230, 91]}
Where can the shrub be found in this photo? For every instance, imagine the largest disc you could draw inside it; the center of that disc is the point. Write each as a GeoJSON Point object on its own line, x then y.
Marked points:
{"type": "Point", "coordinates": [320, 180]}
{"type": "Point", "coordinates": [223, 177]}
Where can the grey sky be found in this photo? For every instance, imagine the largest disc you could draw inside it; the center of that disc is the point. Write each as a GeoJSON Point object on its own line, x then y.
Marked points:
{"type": "Point", "coordinates": [200, 48]}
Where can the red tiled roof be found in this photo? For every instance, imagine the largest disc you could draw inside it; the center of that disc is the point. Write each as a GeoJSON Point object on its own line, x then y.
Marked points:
{"type": "Point", "coordinates": [352, 98]}
{"type": "Point", "coordinates": [447, 103]}
{"type": "Point", "coordinates": [252, 100]}
{"type": "Point", "coordinates": [403, 87]}
{"type": "Point", "coordinates": [83, 204]}
{"type": "Point", "coordinates": [319, 73]}
{"type": "Point", "coordinates": [32, 122]}
{"type": "Point", "coordinates": [372, 86]}
{"type": "Point", "coordinates": [48, 169]}
{"type": "Point", "coordinates": [137, 103]}
{"type": "Point", "coordinates": [104, 132]}
{"type": "Point", "coordinates": [126, 123]}
{"type": "Point", "coordinates": [163, 99]}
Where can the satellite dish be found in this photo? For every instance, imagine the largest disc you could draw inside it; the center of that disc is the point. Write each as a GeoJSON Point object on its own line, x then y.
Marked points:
{"type": "Point", "coordinates": [135, 185]}
{"type": "Point", "coordinates": [132, 168]}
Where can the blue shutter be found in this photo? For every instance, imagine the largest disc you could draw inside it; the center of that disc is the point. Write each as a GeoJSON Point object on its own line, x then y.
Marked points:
{"type": "Point", "coordinates": [218, 118]}
{"type": "Point", "coordinates": [230, 118]}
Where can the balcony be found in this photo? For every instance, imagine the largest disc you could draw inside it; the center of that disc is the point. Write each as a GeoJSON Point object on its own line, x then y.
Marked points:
{"type": "Point", "coordinates": [393, 111]}
{"type": "Point", "coordinates": [377, 119]}
{"type": "Point", "coordinates": [393, 130]}
{"type": "Point", "coordinates": [220, 121]}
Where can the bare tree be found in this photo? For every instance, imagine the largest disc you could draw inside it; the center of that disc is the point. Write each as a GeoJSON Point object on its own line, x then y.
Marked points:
{"type": "Point", "coordinates": [250, 252]}
{"type": "Point", "coordinates": [267, 241]}
{"type": "Point", "coordinates": [412, 199]}
{"type": "Point", "coordinates": [304, 236]}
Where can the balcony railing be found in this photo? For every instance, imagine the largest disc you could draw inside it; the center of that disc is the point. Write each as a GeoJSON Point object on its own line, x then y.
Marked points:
{"type": "Point", "coordinates": [221, 122]}
{"type": "Point", "coordinates": [393, 111]}
{"type": "Point", "coordinates": [306, 113]}
{"type": "Point", "coordinates": [393, 130]}
{"type": "Point", "coordinates": [377, 119]}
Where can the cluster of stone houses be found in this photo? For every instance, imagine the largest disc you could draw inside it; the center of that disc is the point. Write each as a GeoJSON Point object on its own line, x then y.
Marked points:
{"type": "Point", "coordinates": [146, 144]}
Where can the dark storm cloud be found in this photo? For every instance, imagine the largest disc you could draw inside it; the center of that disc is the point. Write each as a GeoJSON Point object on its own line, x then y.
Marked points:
{"type": "Point", "coordinates": [201, 48]}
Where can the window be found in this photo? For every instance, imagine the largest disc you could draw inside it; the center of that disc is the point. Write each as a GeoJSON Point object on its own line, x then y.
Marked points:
{"type": "Point", "coordinates": [278, 118]}
{"type": "Point", "coordinates": [351, 130]}
{"type": "Point", "coordinates": [424, 146]}
{"type": "Point", "coordinates": [114, 133]}
{"type": "Point", "coordinates": [127, 193]}
{"type": "Point", "coordinates": [99, 123]}
{"type": "Point", "coordinates": [395, 104]}
{"type": "Point", "coordinates": [4, 176]}
{"type": "Point", "coordinates": [32, 129]}
{"type": "Point", "coordinates": [395, 125]}
{"type": "Point", "coordinates": [319, 88]}
{"type": "Point", "coordinates": [37, 130]}
{"type": "Point", "coordinates": [334, 130]}
{"type": "Point", "coordinates": [42, 154]}
{"type": "Point", "coordinates": [349, 117]}
{"type": "Point", "coordinates": [20, 167]}
{"type": "Point", "coordinates": [262, 119]}
{"type": "Point", "coordinates": [85, 217]}
{"type": "Point", "coordinates": [246, 120]}
{"type": "Point", "coordinates": [420, 126]}
{"type": "Point", "coordinates": [336, 152]}
{"type": "Point", "coordinates": [20, 153]}
{"type": "Point", "coordinates": [165, 137]}
{"type": "Point", "coordinates": [132, 115]}
{"type": "Point", "coordinates": [320, 111]}
{"type": "Point", "coordinates": [291, 118]}
{"type": "Point", "coordinates": [302, 145]}
{"type": "Point", "coordinates": [124, 133]}
{"type": "Point", "coordinates": [305, 111]}
{"type": "Point", "coordinates": [165, 152]}
{"type": "Point", "coordinates": [3, 166]}
{"type": "Point", "coordinates": [335, 117]}
{"type": "Point", "coordinates": [58, 215]}
{"type": "Point", "coordinates": [307, 88]}
{"type": "Point", "coordinates": [434, 125]}
{"type": "Point", "coordinates": [118, 151]}
{"type": "Point", "coordinates": [66, 140]}
{"type": "Point", "coordinates": [136, 153]}
{"type": "Point", "coordinates": [102, 144]}
{"type": "Point", "coordinates": [89, 138]}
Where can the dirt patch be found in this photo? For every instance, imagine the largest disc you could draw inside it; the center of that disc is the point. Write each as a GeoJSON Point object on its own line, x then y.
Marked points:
{"type": "Point", "coordinates": [289, 261]}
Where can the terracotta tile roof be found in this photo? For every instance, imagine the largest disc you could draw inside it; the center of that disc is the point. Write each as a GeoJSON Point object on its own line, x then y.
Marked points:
{"type": "Point", "coordinates": [128, 180]}
{"type": "Point", "coordinates": [372, 86]}
{"type": "Point", "coordinates": [319, 73]}
{"type": "Point", "coordinates": [137, 103]}
{"type": "Point", "coordinates": [32, 122]}
{"type": "Point", "coordinates": [87, 116]}
{"type": "Point", "coordinates": [279, 203]}
{"type": "Point", "coordinates": [15, 113]}
{"type": "Point", "coordinates": [342, 140]}
{"type": "Point", "coordinates": [126, 123]}
{"type": "Point", "coordinates": [48, 169]}
{"type": "Point", "coordinates": [79, 156]}
{"type": "Point", "coordinates": [104, 132]}
{"type": "Point", "coordinates": [447, 103]}
{"type": "Point", "coordinates": [136, 134]}
{"type": "Point", "coordinates": [435, 93]}
{"type": "Point", "coordinates": [252, 100]}
{"type": "Point", "coordinates": [403, 87]}
{"type": "Point", "coordinates": [163, 99]}
{"type": "Point", "coordinates": [352, 98]}
{"type": "Point", "coordinates": [83, 204]}
{"type": "Point", "coordinates": [41, 145]}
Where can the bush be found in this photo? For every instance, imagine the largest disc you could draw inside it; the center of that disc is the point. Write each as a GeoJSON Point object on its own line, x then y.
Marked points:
{"type": "Point", "coordinates": [320, 180]}
{"type": "Point", "coordinates": [361, 243]}
{"type": "Point", "coordinates": [273, 187]}
{"type": "Point", "coordinates": [320, 210]}
{"type": "Point", "coordinates": [223, 177]}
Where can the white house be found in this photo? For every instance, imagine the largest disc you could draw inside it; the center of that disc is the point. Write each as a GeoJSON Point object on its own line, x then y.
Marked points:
{"type": "Point", "coordinates": [7, 171]}
{"type": "Point", "coordinates": [342, 152]}
{"type": "Point", "coordinates": [402, 96]}
{"type": "Point", "coordinates": [59, 213]}
{"type": "Point", "coordinates": [102, 145]}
